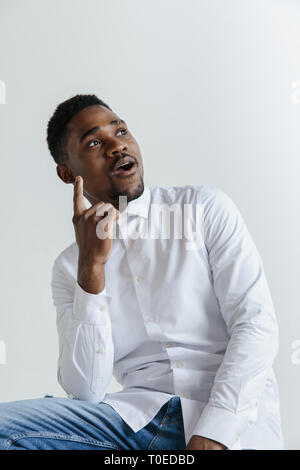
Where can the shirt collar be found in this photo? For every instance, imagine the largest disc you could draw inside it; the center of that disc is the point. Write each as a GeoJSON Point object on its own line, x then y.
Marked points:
{"type": "Point", "coordinates": [139, 206]}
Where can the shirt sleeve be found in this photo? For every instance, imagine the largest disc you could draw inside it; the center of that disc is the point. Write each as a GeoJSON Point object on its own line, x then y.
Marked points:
{"type": "Point", "coordinates": [86, 350]}
{"type": "Point", "coordinates": [246, 306]}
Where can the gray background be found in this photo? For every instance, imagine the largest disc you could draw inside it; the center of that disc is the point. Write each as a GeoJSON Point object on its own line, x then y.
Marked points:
{"type": "Point", "coordinates": [206, 87]}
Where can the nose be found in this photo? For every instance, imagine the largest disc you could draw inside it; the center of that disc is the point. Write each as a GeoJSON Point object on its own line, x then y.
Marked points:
{"type": "Point", "coordinates": [116, 147]}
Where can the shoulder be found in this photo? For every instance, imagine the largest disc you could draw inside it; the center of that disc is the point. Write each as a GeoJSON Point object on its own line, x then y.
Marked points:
{"type": "Point", "coordinates": [215, 205]}
{"type": "Point", "coordinates": [205, 194]}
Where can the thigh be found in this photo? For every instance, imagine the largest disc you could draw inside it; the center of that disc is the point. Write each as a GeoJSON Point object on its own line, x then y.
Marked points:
{"type": "Point", "coordinates": [61, 423]}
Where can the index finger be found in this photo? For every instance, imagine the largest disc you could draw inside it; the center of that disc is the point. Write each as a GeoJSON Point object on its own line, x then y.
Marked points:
{"type": "Point", "coordinates": [79, 204]}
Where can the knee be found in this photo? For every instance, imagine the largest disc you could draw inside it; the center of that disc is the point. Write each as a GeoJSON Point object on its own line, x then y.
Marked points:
{"type": "Point", "coordinates": [7, 423]}
{"type": "Point", "coordinates": [14, 419]}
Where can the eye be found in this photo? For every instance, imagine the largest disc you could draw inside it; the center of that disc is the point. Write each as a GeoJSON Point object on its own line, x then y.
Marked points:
{"type": "Point", "coordinates": [124, 130]}
{"type": "Point", "coordinates": [94, 142]}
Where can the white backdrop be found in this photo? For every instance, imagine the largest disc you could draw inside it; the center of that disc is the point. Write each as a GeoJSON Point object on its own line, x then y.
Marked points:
{"type": "Point", "coordinates": [210, 89]}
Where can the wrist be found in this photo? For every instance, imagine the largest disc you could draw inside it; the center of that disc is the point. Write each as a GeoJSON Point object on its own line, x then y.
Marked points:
{"type": "Point", "coordinates": [91, 277]}
{"type": "Point", "coordinates": [90, 262]}
{"type": "Point", "coordinates": [203, 443]}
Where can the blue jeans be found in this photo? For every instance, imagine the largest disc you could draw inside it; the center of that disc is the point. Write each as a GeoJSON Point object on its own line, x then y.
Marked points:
{"type": "Point", "coordinates": [52, 423]}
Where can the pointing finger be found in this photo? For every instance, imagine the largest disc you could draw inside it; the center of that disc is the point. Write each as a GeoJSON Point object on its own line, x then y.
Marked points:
{"type": "Point", "coordinates": [79, 204]}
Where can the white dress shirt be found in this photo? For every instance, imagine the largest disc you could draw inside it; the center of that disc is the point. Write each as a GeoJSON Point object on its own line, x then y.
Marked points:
{"type": "Point", "coordinates": [197, 323]}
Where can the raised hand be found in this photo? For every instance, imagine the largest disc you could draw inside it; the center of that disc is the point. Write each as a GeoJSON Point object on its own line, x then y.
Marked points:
{"type": "Point", "coordinates": [94, 251]}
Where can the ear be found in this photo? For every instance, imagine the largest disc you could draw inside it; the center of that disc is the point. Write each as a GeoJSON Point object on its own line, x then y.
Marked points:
{"type": "Point", "coordinates": [65, 174]}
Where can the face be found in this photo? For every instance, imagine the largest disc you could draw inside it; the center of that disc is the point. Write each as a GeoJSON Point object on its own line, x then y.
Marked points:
{"type": "Point", "coordinates": [94, 144]}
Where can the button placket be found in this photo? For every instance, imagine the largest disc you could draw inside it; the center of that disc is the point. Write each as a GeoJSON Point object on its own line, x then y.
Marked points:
{"type": "Point", "coordinates": [138, 265]}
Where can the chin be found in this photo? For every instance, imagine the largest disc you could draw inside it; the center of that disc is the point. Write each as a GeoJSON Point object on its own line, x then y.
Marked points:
{"type": "Point", "coordinates": [133, 191]}
{"type": "Point", "coordinates": [136, 190]}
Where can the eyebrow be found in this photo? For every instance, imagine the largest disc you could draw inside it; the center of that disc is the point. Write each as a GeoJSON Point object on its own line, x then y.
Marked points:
{"type": "Point", "coordinates": [115, 122]}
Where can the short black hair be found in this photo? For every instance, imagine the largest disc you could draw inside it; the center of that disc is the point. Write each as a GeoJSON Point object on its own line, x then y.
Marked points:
{"type": "Point", "coordinates": [57, 125]}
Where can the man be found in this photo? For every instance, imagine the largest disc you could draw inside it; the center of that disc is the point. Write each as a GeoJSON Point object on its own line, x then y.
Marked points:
{"type": "Point", "coordinates": [187, 327]}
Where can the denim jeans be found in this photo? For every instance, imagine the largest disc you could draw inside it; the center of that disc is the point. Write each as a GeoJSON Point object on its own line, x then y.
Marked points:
{"type": "Point", "coordinates": [53, 423]}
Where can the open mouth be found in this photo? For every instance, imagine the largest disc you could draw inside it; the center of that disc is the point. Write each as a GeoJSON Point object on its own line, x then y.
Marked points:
{"type": "Point", "coordinates": [125, 170]}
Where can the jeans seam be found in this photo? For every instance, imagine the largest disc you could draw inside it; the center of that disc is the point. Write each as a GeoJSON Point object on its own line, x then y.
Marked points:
{"type": "Point", "coordinates": [66, 437]}
{"type": "Point", "coordinates": [160, 426]}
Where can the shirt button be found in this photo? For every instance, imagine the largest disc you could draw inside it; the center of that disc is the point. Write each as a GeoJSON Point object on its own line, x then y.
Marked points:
{"type": "Point", "coordinates": [102, 308]}
{"type": "Point", "coordinates": [150, 319]}
{"type": "Point", "coordinates": [99, 350]}
{"type": "Point", "coordinates": [178, 364]}
{"type": "Point", "coordinates": [140, 278]}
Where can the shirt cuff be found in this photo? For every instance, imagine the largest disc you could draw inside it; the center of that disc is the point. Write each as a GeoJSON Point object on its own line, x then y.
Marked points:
{"type": "Point", "coordinates": [221, 425]}
{"type": "Point", "coordinates": [91, 308]}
